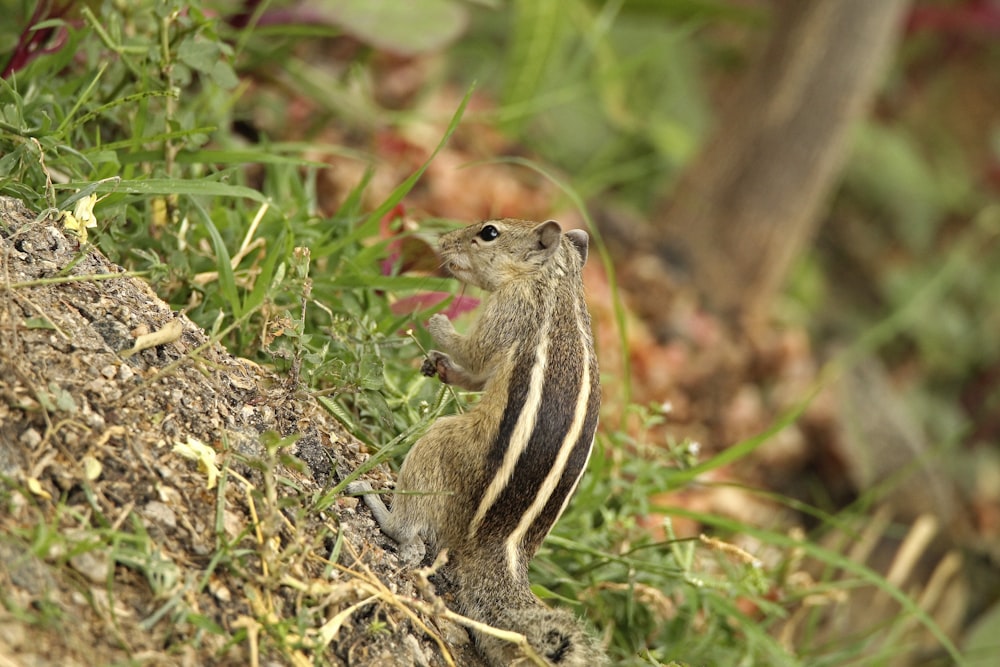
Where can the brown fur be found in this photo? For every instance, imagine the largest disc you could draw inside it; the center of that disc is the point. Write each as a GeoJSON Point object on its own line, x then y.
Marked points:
{"type": "Point", "coordinates": [531, 353]}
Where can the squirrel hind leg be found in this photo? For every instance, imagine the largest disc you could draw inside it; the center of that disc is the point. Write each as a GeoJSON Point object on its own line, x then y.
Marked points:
{"type": "Point", "coordinates": [393, 524]}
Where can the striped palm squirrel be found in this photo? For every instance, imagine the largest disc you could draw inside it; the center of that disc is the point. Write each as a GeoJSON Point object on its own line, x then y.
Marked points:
{"type": "Point", "coordinates": [489, 484]}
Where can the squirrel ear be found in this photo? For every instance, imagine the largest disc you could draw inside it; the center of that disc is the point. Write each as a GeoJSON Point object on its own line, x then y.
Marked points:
{"type": "Point", "coordinates": [549, 234]}
{"type": "Point", "coordinates": [580, 240]}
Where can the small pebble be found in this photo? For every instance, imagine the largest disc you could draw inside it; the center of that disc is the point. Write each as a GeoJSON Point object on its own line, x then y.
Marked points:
{"type": "Point", "coordinates": [30, 438]}
{"type": "Point", "coordinates": [92, 565]}
{"type": "Point", "coordinates": [160, 513]}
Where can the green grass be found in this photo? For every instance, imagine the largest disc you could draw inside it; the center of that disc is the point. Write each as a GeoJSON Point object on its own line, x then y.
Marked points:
{"type": "Point", "coordinates": [139, 106]}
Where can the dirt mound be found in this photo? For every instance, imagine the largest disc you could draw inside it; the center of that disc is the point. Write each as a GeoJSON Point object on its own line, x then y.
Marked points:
{"type": "Point", "coordinates": [171, 505]}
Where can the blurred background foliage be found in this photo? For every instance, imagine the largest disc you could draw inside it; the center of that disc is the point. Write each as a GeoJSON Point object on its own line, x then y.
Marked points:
{"type": "Point", "coordinates": [312, 120]}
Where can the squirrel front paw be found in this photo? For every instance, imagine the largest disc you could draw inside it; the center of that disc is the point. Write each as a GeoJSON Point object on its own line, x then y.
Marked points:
{"type": "Point", "coordinates": [437, 363]}
{"type": "Point", "coordinates": [441, 365]}
{"type": "Point", "coordinates": [440, 327]}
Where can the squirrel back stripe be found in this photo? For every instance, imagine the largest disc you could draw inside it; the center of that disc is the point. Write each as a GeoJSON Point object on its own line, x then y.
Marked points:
{"type": "Point", "coordinates": [578, 459]}
{"type": "Point", "coordinates": [518, 423]}
{"type": "Point", "coordinates": [542, 462]}
{"type": "Point", "coordinates": [570, 461]}
{"type": "Point", "coordinates": [579, 455]}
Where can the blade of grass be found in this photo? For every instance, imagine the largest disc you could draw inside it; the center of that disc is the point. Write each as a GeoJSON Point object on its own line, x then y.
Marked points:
{"type": "Point", "coordinates": [79, 101]}
{"type": "Point", "coordinates": [279, 249]}
{"type": "Point", "coordinates": [139, 139]}
{"type": "Point", "coordinates": [171, 186]}
{"type": "Point", "coordinates": [243, 157]}
{"type": "Point", "coordinates": [535, 36]}
{"type": "Point", "coordinates": [223, 262]}
{"type": "Point", "coordinates": [87, 191]}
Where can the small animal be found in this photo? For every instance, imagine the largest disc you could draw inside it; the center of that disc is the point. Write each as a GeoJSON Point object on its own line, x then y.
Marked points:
{"type": "Point", "coordinates": [488, 484]}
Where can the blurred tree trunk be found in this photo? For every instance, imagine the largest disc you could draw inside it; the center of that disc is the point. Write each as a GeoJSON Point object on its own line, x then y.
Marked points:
{"type": "Point", "coordinates": [751, 200]}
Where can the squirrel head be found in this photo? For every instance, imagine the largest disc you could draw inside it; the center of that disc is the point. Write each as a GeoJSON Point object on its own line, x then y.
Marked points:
{"type": "Point", "coordinates": [492, 253]}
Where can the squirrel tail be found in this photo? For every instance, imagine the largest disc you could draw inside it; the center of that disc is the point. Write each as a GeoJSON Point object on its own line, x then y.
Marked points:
{"type": "Point", "coordinates": [496, 598]}
{"type": "Point", "coordinates": [555, 634]}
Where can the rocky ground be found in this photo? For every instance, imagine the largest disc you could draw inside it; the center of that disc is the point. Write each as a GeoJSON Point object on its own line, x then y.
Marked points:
{"type": "Point", "coordinates": [123, 541]}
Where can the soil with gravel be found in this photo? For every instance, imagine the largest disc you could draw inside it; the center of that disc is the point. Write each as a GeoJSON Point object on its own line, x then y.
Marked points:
{"type": "Point", "coordinates": [115, 547]}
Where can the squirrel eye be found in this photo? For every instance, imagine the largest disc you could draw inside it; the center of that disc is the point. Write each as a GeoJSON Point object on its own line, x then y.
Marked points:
{"type": "Point", "coordinates": [488, 233]}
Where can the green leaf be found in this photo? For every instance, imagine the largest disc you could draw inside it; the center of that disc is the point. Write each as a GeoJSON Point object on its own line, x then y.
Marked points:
{"type": "Point", "coordinates": [205, 623]}
{"type": "Point", "coordinates": [403, 27]}
{"type": "Point", "coordinates": [223, 75]}
{"type": "Point", "coordinates": [886, 167]}
{"type": "Point", "coordinates": [199, 55]}
{"type": "Point", "coordinates": [379, 407]}
{"type": "Point", "coordinates": [63, 399]}
{"type": "Point", "coordinates": [38, 323]}
{"type": "Point", "coordinates": [371, 374]}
